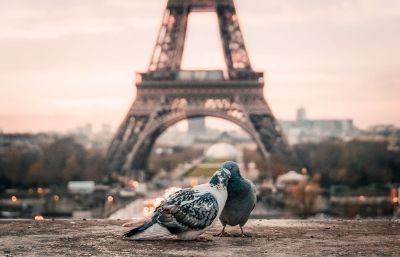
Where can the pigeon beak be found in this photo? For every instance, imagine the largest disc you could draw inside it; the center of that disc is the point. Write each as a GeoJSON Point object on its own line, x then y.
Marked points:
{"type": "Point", "coordinates": [227, 172]}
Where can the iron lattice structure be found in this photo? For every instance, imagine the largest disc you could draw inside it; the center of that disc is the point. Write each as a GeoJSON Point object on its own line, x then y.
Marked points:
{"type": "Point", "coordinates": [166, 94]}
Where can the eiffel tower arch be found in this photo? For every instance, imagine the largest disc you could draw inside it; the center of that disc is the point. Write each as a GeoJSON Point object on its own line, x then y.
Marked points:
{"type": "Point", "coordinates": [166, 94]}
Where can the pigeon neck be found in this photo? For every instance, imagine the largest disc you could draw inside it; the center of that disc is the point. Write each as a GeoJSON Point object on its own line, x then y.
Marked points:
{"type": "Point", "coordinates": [236, 176]}
{"type": "Point", "coordinates": [236, 184]}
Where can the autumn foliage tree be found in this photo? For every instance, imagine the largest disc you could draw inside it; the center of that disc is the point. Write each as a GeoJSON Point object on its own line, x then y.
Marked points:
{"type": "Point", "coordinates": [53, 164]}
{"type": "Point", "coordinates": [354, 163]}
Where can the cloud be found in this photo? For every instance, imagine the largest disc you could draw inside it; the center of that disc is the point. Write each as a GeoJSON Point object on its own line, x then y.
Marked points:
{"type": "Point", "coordinates": [339, 58]}
{"type": "Point", "coordinates": [59, 29]}
{"type": "Point", "coordinates": [53, 19]}
{"type": "Point", "coordinates": [335, 11]}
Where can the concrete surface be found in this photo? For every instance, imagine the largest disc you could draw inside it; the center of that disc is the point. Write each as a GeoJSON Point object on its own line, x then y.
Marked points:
{"type": "Point", "coordinates": [268, 238]}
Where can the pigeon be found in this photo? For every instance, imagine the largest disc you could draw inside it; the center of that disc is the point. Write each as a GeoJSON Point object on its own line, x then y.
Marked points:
{"type": "Point", "coordinates": [188, 212]}
{"type": "Point", "coordinates": [241, 199]}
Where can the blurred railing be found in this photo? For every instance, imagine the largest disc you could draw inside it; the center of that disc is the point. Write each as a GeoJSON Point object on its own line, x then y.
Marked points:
{"type": "Point", "coordinates": [200, 75]}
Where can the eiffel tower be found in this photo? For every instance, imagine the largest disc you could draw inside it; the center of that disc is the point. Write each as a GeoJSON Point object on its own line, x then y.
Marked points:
{"type": "Point", "coordinates": [166, 94]}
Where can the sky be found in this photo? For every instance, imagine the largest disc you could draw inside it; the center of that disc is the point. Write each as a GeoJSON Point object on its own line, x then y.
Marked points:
{"type": "Point", "coordinates": [67, 63]}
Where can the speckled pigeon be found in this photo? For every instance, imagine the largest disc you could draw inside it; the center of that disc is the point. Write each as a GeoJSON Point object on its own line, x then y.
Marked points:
{"type": "Point", "coordinates": [188, 212]}
{"type": "Point", "coordinates": [241, 199]}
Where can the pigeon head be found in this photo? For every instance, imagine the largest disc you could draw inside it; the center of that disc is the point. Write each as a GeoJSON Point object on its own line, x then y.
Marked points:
{"type": "Point", "coordinates": [233, 168]}
{"type": "Point", "coordinates": [220, 179]}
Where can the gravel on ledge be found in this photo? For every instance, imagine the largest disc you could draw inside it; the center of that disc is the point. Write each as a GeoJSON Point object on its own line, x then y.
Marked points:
{"type": "Point", "coordinates": [268, 238]}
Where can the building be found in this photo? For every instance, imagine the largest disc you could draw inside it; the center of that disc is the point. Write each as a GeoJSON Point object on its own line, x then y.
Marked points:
{"type": "Point", "coordinates": [304, 130]}
{"type": "Point", "coordinates": [197, 126]}
{"type": "Point", "coordinates": [383, 133]}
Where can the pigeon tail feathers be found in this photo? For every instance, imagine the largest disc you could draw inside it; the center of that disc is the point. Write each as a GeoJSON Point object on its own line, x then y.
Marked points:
{"type": "Point", "coordinates": [149, 230]}
{"type": "Point", "coordinates": [140, 229]}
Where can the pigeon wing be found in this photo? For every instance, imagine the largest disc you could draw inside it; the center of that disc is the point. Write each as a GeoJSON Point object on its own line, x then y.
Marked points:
{"type": "Point", "coordinates": [253, 192]}
{"type": "Point", "coordinates": [188, 209]}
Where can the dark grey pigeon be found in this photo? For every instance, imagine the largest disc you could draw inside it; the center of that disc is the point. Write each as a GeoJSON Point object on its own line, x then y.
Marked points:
{"type": "Point", "coordinates": [241, 199]}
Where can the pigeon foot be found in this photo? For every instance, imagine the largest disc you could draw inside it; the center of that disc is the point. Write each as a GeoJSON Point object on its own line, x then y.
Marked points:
{"type": "Point", "coordinates": [222, 234]}
{"type": "Point", "coordinates": [243, 234]}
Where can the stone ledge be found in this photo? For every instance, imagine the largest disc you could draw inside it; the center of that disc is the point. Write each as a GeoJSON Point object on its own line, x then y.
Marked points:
{"type": "Point", "coordinates": [268, 238]}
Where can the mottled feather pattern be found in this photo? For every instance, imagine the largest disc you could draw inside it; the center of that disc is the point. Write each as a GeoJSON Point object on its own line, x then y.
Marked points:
{"type": "Point", "coordinates": [220, 180]}
{"type": "Point", "coordinates": [188, 212]}
{"type": "Point", "coordinates": [187, 209]}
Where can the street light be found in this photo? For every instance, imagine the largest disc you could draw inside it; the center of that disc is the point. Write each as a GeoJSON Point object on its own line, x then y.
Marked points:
{"type": "Point", "coordinates": [133, 183]}
{"type": "Point", "coordinates": [39, 217]}
{"type": "Point", "coordinates": [110, 199]}
{"type": "Point", "coordinates": [394, 195]}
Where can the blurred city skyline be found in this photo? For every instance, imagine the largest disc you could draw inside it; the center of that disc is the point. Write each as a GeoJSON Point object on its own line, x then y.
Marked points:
{"type": "Point", "coordinates": [65, 64]}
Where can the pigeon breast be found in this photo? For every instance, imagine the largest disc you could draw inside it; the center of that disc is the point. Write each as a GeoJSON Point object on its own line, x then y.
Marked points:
{"type": "Point", "coordinates": [241, 201]}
